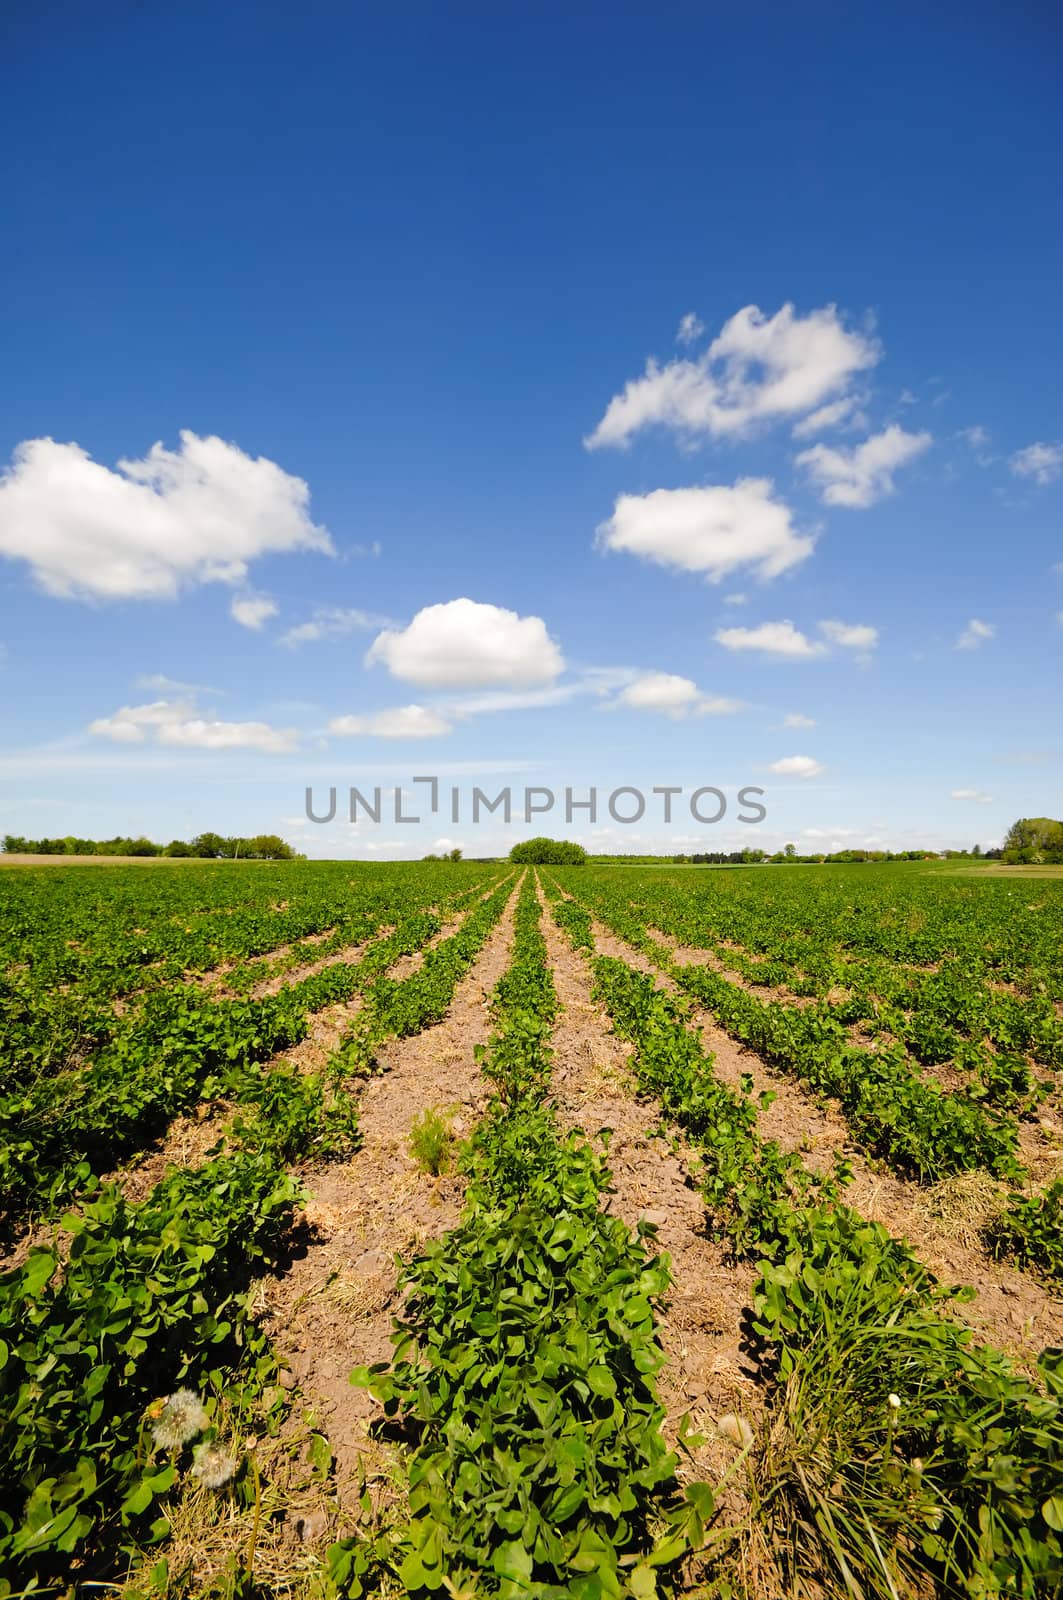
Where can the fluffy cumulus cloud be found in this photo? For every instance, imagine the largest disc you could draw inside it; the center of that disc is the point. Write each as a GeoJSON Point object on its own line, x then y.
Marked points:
{"type": "Point", "coordinates": [672, 696]}
{"type": "Point", "coordinates": [759, 369]}
{"type": "Point", "coordinates": [400, 722]}
{"type": "Point", "coordinates": [147, 529]}
{"type": "Point", "coordinates": [783, 640]}
{"type": "Point", "coordinates": [977, 795]}
{"type": "Point", "coordinates": [463, 644]}
{"type": "Point", "coordinates": [716, 530]}
{"type": "Point", "coordinates": [780, 639]}
{"type": "Point", "coordinates": [797, 767]}
{"type": "Point", "coordinates": [1041, 462]}
{"type": "Point", "coordinates": [329, 623]}
{"type": "Point", "coordinates": [850, 635]}
{"type": "Point", "coordinates": [860, 477]}
{"type": "Point", "coordinates": [976, 634]}
{"type": "Point", "coordinates": [253, 610]}
{"type": "Point", "coordinates": [178, 723]}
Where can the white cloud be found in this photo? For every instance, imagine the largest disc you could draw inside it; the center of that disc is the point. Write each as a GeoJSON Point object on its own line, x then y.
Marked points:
{"type": "Point", "coordinates": [971, 794]}
{"type": "Point", "coordinates": [850, 635]}
{"type": "Point", "coordinates": [462, 644]}
{"type": "Point", "coordinates": [199, 514]}
{"type": "Point", "coordinates": [176, 722]}
{"type": "Point", "coordinates": [976, 436]}
{"type": "Point", "coordinates": [331, 622]}
{"type": "Point", "coordinates": [797, 767]}
{"type": "Point", "coordinates": [672, 696]}
{"type": "Point", "coordinates": [797, 719]}
{"type": "Point", "coordinates": [164, 685]}
{"type": "Point", "coordinates": [759, 369]}
{"type": "Point", "coordinates": [830, 416]}
{"type": "Point", "coordinates": [400, 722]}
{"type": "Point", "coordinates": [493, 700]}
{"type": "Point", "coordinates": [716, 530]}
{"type": "Point", "coordinates": [1041, 462]}
{"type": "Point", "coordinates": [772, 639]}
{"type": "Point", "coordinates": [252, 610]}
{"type": "Point", "coordinates": [128, 724]}
{"type": "Point", "coordinates": [975, 635]}
{"type": "Point", "coordinates": [863, 475]}
{"type": "Point", "coordinates": [735, 599]}
{"type": "Point", "coordinates": [200, 734]}
{"type": "Point", "coordinates": [690, 328]}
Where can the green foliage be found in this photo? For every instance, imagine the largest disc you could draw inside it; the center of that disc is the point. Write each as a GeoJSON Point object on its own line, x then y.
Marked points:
{"type": "Point", "coordinates": [1034, 840]}
{"type": "Point", "coordinates": [148, 1297]}
{"type": "Point", "coordinates": [1031, 1231]}
{"type": "Point", "coordinates": [431, 1142]}
{"type": "Point", "coordinates": [524, 1360]}
{"type": "Point", "coordinates": [895, 1109]}
{"type": "Point", "coordinates": [548, 852]}
{"type": "Point", "coordinates": [895, 1449]}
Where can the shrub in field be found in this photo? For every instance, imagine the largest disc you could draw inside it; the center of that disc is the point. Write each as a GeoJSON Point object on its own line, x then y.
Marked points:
{"type": "Point", "coordinates": [431, 1143]}
{"type": "Point", "coordinates": [548, 852]}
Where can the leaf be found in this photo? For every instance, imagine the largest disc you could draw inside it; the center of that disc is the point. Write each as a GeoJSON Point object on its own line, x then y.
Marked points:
{"type": "Point", "coordinates": [1052, 1511]}
{"type": "Point", "coordinates": [320, 1455]}
{"type": "Point", "coordinates": [511, 1560]}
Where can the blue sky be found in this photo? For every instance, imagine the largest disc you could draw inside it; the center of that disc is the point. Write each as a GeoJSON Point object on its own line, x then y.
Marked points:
{"type": "Point", "coordinates": [382, 285]}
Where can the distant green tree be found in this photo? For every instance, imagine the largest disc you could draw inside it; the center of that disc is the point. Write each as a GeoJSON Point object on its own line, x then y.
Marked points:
{"type": "Point", "coordinates": [548, 852]}
{"type": "Point", "coordinates": [1033, 840]}
{"type": "Point", "coordinates": [209, 846]}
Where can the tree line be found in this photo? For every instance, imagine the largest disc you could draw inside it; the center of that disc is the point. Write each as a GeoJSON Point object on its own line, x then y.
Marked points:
{"type": "Point", "coordinates": [205, 847]}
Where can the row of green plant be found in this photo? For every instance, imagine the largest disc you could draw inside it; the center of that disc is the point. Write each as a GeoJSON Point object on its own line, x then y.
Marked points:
{"type": "Point", "coordinates": [72, 943]}
{"type": "Point", "coordinates": [132, 1302]}
{"type": "Point", "coordinates": [951, 1015]}
{"type": "Point", "coordinates": [179, 1048]}
{"type": "Point", "coordinates": [129, 1305]}
{"type": "Point", "coordinates": [1031, 1231]}
{"type": "Point", "coordinates": [896, 1113]}
{"type": "Point", "coordinates": [525, 1357]}
{"type": "Point", "coordinates": [896, 1453]}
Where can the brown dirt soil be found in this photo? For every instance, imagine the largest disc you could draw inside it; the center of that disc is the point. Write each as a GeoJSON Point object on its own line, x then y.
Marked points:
{"type": "Point", "coordinates": [1012, 1310]}
{"type": "Point", "coordinates": [706, 1375]}
{"type": "Point", "coordinates": [346, 957]}
{"type": "Point", "coordinates": [331, 1308]}
{"type": "Point", "coordinates": [185, 1144]}
{"type": "Point", "coordinates": [406, 966]}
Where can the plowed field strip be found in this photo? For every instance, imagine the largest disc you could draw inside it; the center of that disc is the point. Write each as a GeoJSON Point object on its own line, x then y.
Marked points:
{"type": "Point", "coordinates": [331, 1308]}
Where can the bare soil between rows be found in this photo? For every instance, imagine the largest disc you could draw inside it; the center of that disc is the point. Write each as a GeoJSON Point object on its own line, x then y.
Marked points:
{"type": "Point", "coordinates": [330, 1310]}
{"type": "Point", "coordinates": [1012, 1309]}
{"type": "Point", "coordinates": [707, 1376]}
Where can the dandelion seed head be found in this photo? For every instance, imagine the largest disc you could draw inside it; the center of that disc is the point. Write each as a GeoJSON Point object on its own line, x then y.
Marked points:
{"type": "Point", "coordinates": [182, 1416]}
{"type": "Point", "coordinates": [212, 1465]}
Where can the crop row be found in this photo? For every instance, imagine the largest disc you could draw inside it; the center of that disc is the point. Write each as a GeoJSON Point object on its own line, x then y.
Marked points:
{"type": "Point", "coordinates": [64, 961]}
{"type": "Point", "coordinates": [179, 1048]}
{"type": "Point", "coordinates": [525, 1357]}
{"type": "Point", "coordinates": [895, 1449]}
{"type": "Point", "coordinates": [141, 1300]}
{"type": "Point", "coordinates": [908, 1121]}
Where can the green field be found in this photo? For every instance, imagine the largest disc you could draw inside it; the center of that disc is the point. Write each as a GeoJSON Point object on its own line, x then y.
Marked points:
{"type": "Point", "coordinates": [791, 1328]}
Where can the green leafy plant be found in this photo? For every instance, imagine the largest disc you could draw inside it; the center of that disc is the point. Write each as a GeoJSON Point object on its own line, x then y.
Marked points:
{"type": "Point", "coordinates": [431, 1142]}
